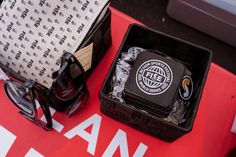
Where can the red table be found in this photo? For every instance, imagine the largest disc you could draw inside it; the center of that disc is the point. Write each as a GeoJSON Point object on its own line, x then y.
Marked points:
{"type": "Point", "coordinates": [210, 137]}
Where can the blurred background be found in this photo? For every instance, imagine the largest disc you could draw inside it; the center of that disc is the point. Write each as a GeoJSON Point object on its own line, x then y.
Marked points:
{"type": "Point", "coordinates": [153, 14]}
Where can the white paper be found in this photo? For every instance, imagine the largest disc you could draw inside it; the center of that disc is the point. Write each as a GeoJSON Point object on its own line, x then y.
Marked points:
{"type": "Point", "coordinates": [35, 34]}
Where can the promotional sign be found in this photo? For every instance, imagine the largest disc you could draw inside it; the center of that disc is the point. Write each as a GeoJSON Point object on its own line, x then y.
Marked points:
{"type": "Point", "coordinates": [91, 133]}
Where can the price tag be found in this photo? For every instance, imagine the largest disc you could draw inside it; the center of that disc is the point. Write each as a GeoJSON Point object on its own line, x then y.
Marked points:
{"type": "Point", "coordinates": [84, 56]}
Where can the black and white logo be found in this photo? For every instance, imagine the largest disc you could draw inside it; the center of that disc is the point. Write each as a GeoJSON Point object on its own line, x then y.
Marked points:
{"type": "Point", "coordinates": [154, 77]}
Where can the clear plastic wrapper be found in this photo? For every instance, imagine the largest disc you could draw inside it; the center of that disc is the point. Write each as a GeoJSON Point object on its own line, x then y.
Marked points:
{"type": "Point", "coordinates": [132, 54]}
{"type": "Point", "coordinates": [123, 69]}
{"type": "Point", "coordinates": [177, 115]}
{"type": "Point", "coordinates": [119, 79]}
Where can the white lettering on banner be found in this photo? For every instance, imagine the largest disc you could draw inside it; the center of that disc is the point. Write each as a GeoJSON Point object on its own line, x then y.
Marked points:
{"type": "Point", "coordinates": [120, 140]}
{"type": "Point", "coordinates": [79, 130]}
{"type": "Point", "coordinates": [6, 140]}
{"type": "Point", "coordinates": [141, 150]}
{"type": "Point", "coordinates": [33, 153]}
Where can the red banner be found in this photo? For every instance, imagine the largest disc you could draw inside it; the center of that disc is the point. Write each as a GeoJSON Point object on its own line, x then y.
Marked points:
{"type": "Point", "coordinates": [90, 133]}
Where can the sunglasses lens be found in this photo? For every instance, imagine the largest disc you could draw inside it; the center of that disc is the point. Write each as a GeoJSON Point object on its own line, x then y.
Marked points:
{"type": "Point", "coordinates": [28, 104]}
{"type": "Point", "coordinates": [78, 104]}
{"type": "Point", "coordinates": [18, 94]}
{"type": "Point", "coordinates": [75, 72]}
{"type": "Point", "coordinates": [70, 80]}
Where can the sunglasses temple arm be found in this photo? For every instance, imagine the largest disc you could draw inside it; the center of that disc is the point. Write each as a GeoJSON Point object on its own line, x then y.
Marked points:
{"type": "Point", "coordinates": [46, 112]}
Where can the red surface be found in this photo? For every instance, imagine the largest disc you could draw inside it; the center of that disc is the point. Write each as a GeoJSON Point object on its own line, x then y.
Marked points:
{"type": "Point", "coordinates": [210, 137]}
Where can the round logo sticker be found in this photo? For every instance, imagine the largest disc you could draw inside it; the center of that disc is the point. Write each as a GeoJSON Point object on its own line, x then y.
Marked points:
{"type": "Point", "coordinates": [154, 77]}
{"type": "Point", "coordinates": [186, 89]}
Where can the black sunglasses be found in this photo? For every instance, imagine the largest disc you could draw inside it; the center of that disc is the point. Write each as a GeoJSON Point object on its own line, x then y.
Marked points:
{"type": "Point", "coordinates": [68, 92]}
{"type": "Point", "coordinates": [25, 96]}
{"type": "Point", "coordinates": [69, 86]}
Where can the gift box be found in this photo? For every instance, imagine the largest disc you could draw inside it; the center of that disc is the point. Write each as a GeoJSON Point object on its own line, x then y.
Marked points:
{"type": "Point", "coordinates": [101, 39]}
{"type": "Point", "coordinates": [153, 83]}
{"type": "Point", "coordinates": [196, 58]}
{"type": "Point", "coordinates": [48, 50]}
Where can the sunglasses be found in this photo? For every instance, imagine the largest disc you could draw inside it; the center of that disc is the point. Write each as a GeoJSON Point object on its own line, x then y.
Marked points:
{"type": "Point", "coordinates": [68, 92]}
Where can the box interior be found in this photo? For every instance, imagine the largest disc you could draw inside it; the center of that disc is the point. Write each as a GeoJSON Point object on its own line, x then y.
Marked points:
{"type": "Point", "coordinates": [197, 60]}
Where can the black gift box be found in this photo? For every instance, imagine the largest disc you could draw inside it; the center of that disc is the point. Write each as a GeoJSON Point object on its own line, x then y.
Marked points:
{"type": "Point", "coordinates": [195, 58]}
{"type": "Point", "coordinates": [101, 39]}
{"type": "Point", "coordinates": [153, 83]}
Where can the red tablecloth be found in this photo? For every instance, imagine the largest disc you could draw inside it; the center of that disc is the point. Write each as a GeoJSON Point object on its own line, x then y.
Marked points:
{"type": "Point", "coordinates": [210, 137]}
